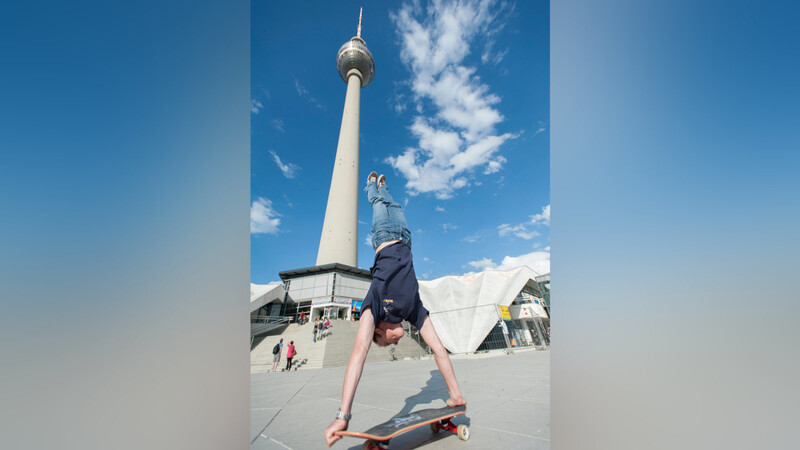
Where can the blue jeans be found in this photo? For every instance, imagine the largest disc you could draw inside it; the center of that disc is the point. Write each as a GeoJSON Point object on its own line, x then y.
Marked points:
{"type": "Point", "coordinates": [388, 220]}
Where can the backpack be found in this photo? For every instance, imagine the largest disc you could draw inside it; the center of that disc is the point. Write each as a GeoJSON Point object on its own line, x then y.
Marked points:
{"type": "Point", "coordinates": [276, 349]}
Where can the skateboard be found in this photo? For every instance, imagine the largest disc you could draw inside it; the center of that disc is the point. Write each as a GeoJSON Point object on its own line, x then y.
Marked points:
{"type": "Point", "coordinates": [378, 436]}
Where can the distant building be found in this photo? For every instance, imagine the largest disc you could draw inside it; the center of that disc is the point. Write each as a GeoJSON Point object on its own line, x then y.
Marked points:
{"type": "Point", "coordinates": [489, 310]}
{"type": "Point", "coordinates": [544, 286]}
{"type": "Point", "coordinates": [330, 290]}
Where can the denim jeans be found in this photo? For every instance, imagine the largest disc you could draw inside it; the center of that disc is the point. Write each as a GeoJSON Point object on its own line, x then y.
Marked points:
{"type": "Point", "coordinates": [388, 220]}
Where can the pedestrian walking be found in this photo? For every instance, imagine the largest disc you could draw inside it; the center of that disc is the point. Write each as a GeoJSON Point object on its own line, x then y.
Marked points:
{"type": "Point", "coordinates": [276, 355]}
{"type": "Point", "coordinates": [327, 325]}
{"type": "Point", "coordinates": [316, 326]}
{"type": "Point", "coordinates": [290, 353]}
{"type": "Point", "coordinates": [302, 318]}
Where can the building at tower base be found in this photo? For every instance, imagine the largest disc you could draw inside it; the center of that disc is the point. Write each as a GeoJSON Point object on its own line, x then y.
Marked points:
{"type": "Point", "coordinates": [494, 309]}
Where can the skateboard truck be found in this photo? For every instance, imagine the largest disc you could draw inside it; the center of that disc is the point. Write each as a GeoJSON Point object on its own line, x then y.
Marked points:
{"type": "Point", "coordinates": [375, 445]}
{"type": "Point", "coordinates": [461, 430]}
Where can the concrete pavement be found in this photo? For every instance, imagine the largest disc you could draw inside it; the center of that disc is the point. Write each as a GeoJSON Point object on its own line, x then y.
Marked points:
{"type": "Point", "coordinates": [508, 403]}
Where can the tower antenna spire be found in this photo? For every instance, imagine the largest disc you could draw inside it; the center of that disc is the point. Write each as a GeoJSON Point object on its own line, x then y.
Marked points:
{"type": "Point", "coordinates": [361, 10]}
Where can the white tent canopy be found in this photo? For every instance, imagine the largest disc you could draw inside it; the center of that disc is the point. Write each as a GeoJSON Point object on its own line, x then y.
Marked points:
{"type": "Point", "coordinates": [264, 294]}
{"type": "Point", "coordinates": [463, 309]}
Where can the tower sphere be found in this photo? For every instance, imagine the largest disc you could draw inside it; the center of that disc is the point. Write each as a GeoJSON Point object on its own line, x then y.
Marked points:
{"type": "Point", "coordinates": [354, 54]}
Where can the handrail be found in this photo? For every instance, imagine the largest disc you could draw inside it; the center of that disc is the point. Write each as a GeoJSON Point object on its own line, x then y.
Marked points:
{"type": "Point", "coordinates": [270, 319]}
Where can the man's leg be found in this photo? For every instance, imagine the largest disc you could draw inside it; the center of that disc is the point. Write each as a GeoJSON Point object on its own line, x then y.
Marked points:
{"type": "Point", "coordinates": [393, 209]}
{"type": "Point", "coordinates": [380, 216]}
{"type": "Point", "coordinates": [443, 361]}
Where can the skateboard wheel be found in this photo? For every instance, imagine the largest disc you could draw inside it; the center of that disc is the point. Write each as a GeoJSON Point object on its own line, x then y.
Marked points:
{"type": "Point", "coordinates": [374, 445]}
{"type": "Point", "coordinates": [435, 427]}
{"type": "Point", "coordinates": [463, 432]}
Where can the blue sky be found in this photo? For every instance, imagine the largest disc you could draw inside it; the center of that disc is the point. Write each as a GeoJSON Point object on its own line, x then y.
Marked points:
{"type": "Point", "coordinates": [457, 117]}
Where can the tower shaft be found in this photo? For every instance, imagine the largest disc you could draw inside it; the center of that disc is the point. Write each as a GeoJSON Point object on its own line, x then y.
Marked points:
{"type": "Point", "coordinates": [339, 241]}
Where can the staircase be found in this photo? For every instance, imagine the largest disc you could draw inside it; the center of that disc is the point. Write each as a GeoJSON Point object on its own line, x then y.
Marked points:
{"type": "Point", "coordinates": [340, 340]}
{"type": "Point", "coordinates": [331, 351]}
{"type": "Point", "coordinates": [309, 353]}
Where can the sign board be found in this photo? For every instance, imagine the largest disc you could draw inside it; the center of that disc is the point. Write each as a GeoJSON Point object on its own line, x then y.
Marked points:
{"type": "Point", "coordinates": [520, 312]}
{"type": "Point", "coordinates": [504, 312]}
{"type": "Point", "coordinates": [332, 301]}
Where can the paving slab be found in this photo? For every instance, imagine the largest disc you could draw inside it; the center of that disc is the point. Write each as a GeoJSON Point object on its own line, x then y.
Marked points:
{"type": "Point", "coordinates": [508, 403]}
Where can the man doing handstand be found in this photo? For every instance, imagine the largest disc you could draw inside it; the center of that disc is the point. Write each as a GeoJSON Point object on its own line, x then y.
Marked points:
{"type": "Point", "coordinates": [393, 297]}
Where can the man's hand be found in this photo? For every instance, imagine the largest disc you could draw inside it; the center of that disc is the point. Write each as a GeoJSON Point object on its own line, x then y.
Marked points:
{"type": "Point", "coordinates": [451, 402]}
{"type": "Point", "coordinates": [336, 425]}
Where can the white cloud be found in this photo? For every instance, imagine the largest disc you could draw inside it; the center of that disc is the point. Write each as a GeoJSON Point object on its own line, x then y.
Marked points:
{"type": "Point", "coordinates": [494, 166]}
{"type": "Point", "coordinates": [541, 128]}
{"type": "Point", "coordinates": [519, 231]}
{"type": "Point", "coordinates": [289, 170]}
{"type": "Point", "coordinates": [527, 235]}
{"type": "Point", "coordinates": [368, 240]}
{"type": "Point", "coordinates": [255, 106]}
{"type": "Point", "coordinates": [278, 125]}
{"type": "Point", "coordinates": [263, 219]}
{"type": "Point", "coordinates": [449, 226]}
{"type": "Point", "coordinates": [504, 229]}
{"type": "Point", "coordinates": [460, 136]}
{"type": "Point", "coordinates": [472, 239]}
{"type": "Point", "coordinates": [543, 218]}
{"type": "Point", "coordinates": [440, 209]}
{"type": "Point", "coordinates": [539, 261]}
{"type": "Point", "coordinates": [399, 99]}
{"type": "Point", "coordinates": [303, 92]}
{"type": "Point", "coordinates": [484, 263]}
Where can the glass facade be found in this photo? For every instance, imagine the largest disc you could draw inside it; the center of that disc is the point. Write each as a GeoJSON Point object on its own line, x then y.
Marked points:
{"type": "Point", "coordinates": [330, 294]}
{"type": "Point", "coordinates": [529, 325]}
{"type": "Point", "coordinates": [544, 285]}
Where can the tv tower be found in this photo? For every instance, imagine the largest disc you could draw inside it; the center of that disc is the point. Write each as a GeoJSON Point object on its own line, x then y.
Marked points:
{"type": "Point", "coordinates": [339, 241]}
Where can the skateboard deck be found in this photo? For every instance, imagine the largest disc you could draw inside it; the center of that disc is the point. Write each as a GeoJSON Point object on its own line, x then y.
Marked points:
{"type": "Point", "coordinates": [437, 418]}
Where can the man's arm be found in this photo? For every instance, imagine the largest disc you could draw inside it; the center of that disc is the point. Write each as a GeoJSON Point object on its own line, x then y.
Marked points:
{"type": "Point", "coordinates": [366, 328]}
{"type": "Point", "coordinates": [443, 361]}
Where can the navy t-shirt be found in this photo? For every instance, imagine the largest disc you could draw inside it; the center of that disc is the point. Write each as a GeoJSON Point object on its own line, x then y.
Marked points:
{"type": "Point", "coordinates": [394, 293]}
